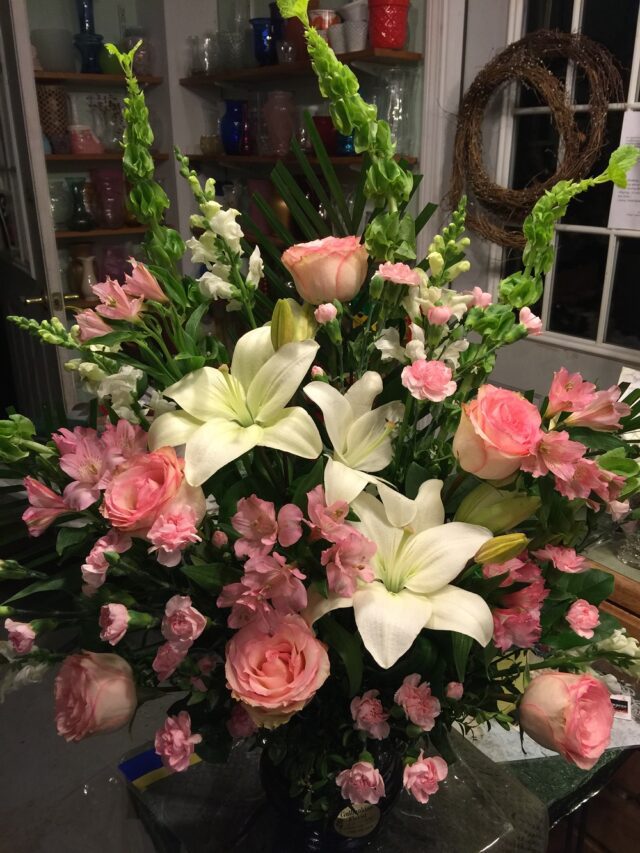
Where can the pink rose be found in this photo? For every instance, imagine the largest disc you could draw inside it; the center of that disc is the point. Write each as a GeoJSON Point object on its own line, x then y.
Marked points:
{"type": "Point", "coordinates": [123, 441]}
{"type": "Point", "coordinates": [416, 701]}
{"type": "Point", "coordinates": [45, 506]}
{"type": "Point", "coordinates": [422, 777]}
{"type": "Point", "coordinates": [564, 559]}
{"type": "Point", "coordinates": [142, 283]}
{"type": "Point", "coordinates": [219, 539]}
{"type": "Point", "coordinates": [362, 783]}
{"type": "Point", "coordinates": [369, 716]}
{"type": "Point", "coordinates": [438, 315]}
{"type": "Point", "coordinates": [147, 486]}
{"type": "Point", "coordinates": [171, 533]}
{"type": "Point", "coordinates": [168, 658]}
{"type": "Point", "coordinates": [324, 270]}
{"type": "Point", "coordinates": [240, 723]}
{"type": "Point", "coordinates": [532, 324]}
{"type": "Point", "coordinates": [583, 618]}
{"type": "Point", "coordinates": [515, 626]}
{"type": "Point", "coordinates": [481, 298]}
{"type": "Point", "coordinates": [325, 521]}
{"type": "Point", "coordinates": [93, 694]}
{"type": "Point", "coordinates": [497, 431]}
{"type": "Point", "coordinates": [347, 562]}
{"type": "Point", "coordinates": [569, 392]}
{"type": "Point", "coordinates": [114, 620]}
{"type": "Point", "coordinates": [94, 569]}
{"type": "Point", "coordinates": [174, 742]}
{"type": "Point", "coordinates": [603, 412]}
{"type": "Point", "coordinates": [182, 623]}
{"type": "Point", "coordinates": [555, 453]}
{"type": "Point", "coordinates": [325, 313]}
{"type": "Point", "coordinates": [428, 380]}
{"type": "Point", "coordinates": [91, 325]}
{"type": "Point", "coordinates": [115, 304]}
{"type": "Point", "coordinates": [454, 690]}
{"type": "Point", "coordinates": [399, 274]}
{"type": "Point", "coordinates": [571, 714]}
{"type": "Point", "coordinates": [275, 672]}
{"type": "Point", "coordinates": [21, 636]}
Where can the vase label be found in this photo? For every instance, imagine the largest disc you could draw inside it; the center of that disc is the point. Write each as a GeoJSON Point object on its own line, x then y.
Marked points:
{"type": "Point", "coordinates": [356, 821]}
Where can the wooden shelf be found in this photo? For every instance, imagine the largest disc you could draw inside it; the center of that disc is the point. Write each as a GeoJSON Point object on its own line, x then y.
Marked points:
{"type": "Point", "coordinates": [76, 78]}
{"type": "Point", "coordinates": [266, 73]}
{"type": "Point", "coordinates": [99, 233]}
{"type": "Point", "coordinates": [105, 157]}
{"type": "Point", "coordinates": [240, 161]}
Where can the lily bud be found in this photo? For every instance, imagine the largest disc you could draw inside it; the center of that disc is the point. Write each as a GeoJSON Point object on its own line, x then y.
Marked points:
{"type": "Point", "coordinates": [496, 510]}
{"type": "Point", "coordinates": [436, 262]}
{"type": "Point", "coordinates": [292, 322]}
{"type": "Point", "coordinates": [502, 548]}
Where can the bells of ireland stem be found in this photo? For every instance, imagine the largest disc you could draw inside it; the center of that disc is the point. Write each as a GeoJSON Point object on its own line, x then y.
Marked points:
{"type": "Point", "coordinates": [292, 322]}
{"type": "Point", "coordinates": [502, 548]}
{"type": "Point", "coordinates": [495, 509]}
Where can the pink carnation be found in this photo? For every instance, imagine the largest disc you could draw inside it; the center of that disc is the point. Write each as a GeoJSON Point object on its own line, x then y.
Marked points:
{"type": "Point", "coordinates": [45, 506]}
{"type": "Point", "coordinates": [583, 618]}
{"type": "Point", "coordinates": [347, 562]}
{"type": "Point", "coordinates": [481, 299]}
{"type": "Point", "coordinates": [602, 412]}
{"type": "Point", "coordinates": [516, 627]}
{"type": "Point", "coordinates": [555, 454]}
{"type": "Point", "coordinates": [21, 636]}
{"type": "Point", "coordinates": [94, 570]}
{"type": "Point", "coordinates": [569, 392]}
{"type": "Point", "coordinates": [168, 658]}
{"type": "Point", "coordinates": [517, 570]}
{"type": "Point", "coordinates": [428, 380]}
{"type": "Point", "coordinates": [361, 783]}
{"type": "Point", "coordinates": [416, 701]}
{"type": "Point", "coordinates": [325, 313]}
{"type": "Point", "coordinates": [114, 620]}
{"type": "Point", "coordinates": [399, 274]}
{"type": "Point", "coordinates": [422, 777]}
{"type": "Point", "coordinates": [317, 372]}
{"type": "Point", "coordinates": [564, 559]}
{"type": "Point", "coordinates": [532, 324]}
{"type": "Point", "coordinates": [240, 723]}
{"type": "Point", "coordinates": [454, 690]}
{"type": "Point", "coordinates": [174, 742]}
{"type": "Point", "coordinates": [369, 716]}
{"type": "Point", "coordinates": [115, 304]}
{"type": "Point", "coordinates": [325, 521]}
{"type": "Point", "coordinates": [170, 534]}
{"type": "Point", "coordinates": [438, 315]}
{"type": "Point", "coordinates": [530, 597]}
{"type": "Point", "coordinates": [182, 623]}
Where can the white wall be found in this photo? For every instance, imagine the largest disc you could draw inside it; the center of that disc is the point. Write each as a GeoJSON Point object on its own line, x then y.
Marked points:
{"type": "Point", "coordinates": [62, 14]}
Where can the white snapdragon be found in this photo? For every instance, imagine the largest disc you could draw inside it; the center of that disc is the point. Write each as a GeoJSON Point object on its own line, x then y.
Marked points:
{"type": "Point", "coordinates": [256, 269]}
{"type": "Point", "coordinates": [90, 374]}
{"type": "Point", "coordinates": [121, 389]}
{"type": "Point", "coordinates": [154, 402]}
{"type": "Point", "coordinates": [215, 287]}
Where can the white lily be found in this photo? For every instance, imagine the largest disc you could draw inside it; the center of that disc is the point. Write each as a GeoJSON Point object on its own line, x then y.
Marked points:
{"type": "Point", "coordinates": [226, 414]}
{"type": "Point", "coordinates": [360, 435]}
{"type": "Point", "coordinates": [417, 558]}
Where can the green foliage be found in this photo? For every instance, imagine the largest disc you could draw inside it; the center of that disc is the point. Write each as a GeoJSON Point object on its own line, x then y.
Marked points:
{"type": "Point", "coordinates": [294, 9]}
{"type": "Point", "coordinates": [49, 331]}
{"type": "Point", "coordinates": [348, 647]}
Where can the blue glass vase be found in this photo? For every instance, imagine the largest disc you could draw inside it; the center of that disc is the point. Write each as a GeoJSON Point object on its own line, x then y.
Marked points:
{"type": "Point", "coordinates": [88, 42]}
{"type": "Point", "coordinates": [264, 44]}
{"type": "Point", "coordinates": [344, 145]}
{"type": "Point", "coordinates": [231, 127]}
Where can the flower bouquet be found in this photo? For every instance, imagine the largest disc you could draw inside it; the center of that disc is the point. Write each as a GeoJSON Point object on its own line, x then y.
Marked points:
{"type": "Point", "coordinates": [318, 524]}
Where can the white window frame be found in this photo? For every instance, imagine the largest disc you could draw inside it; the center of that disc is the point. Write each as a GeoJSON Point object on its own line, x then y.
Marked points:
{"type": "Point", "coordinates": [505, 163]}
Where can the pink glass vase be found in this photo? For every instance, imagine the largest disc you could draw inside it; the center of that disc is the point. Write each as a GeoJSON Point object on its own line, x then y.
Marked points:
{"type": "Point", "coordinates": [280, 118]}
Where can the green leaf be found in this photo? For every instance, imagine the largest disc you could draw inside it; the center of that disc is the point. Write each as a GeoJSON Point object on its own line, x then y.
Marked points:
{"type": "Point", "coordinates": [211, 576]}
{"type": "Point", "coordinates": [593, 585]}
{"type": "Point", "coordinates": [617, 462]}
{"type": "Point", "coordinates": [193, 323]}
{"type": "Point", "coordinates": [416, 475]}
{"type": "Point", "coordinates": [307, 482]}
{"type": "Point", "coordinates": [328, 172]}
{"type": "Point", "coordinates": [70, 538]}
{"type": "Point", "coordinates": [50, 585]}
{"type": "Point", "coordinates": [320, 191]}
{"type": "Point", "coordinates": [348, 646]}
{"type": "Point", "coordinates": [595, 440]}
{"type": "Point", "coordinates": [304, 213]}
{"type": "Point", "coordinates": [120, 337]}
{"type": "Point", "coordinates": [621, 161]}
{"type": "Point", "coordinates": [461, 645]}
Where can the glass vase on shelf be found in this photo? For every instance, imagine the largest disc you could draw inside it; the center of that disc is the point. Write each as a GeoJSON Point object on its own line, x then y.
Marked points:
{"type": "Point", "coordinates": [81, 218]}
{"type": "Point", "coordinates": [143, 60]}
{"type": "Point", "coordinates": [61, 203]}
{"type": "Point", "coordinates": [281, 121]}
{"type": "Point", "coordinates": [109, 185]}
{"type": "Point", "coordinates": [232, 126]}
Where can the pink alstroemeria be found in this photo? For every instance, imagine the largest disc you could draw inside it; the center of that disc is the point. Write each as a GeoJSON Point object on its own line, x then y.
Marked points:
{"type": "Point", "coordinates": [399, 274]}
{"type": "Point", "coordinates": [590, 477]}
{"type": "Point", "coordinates": [259, 529]}
{"type": "Point", "coordinates": [603, 412]}
{"type": "Point", "coordinates": [88, 467]}
{"type": "Point", "coordinates": [115, 303]}
{"type": "Point", "coordinates": [564, 559]}
{"type": "Point", "coordinates": [569, 392]}
{"type": "Point", "coordinates": [530, 597]}
{"type": "Point", "coordinates": [171, 533]}
{"type": "Point", "coordinates": [271, 577]}
{"type": "Point", "coordinates": [91, 325]}
{"type": "Point", "coordinates": [123, 441]}
{"type": "Point", "coordinates": [347, 562]}
{"type": "Point", "coordinates": [142, 283]}
{"type": "Point", "coordinates": [556, 453]}
{"type": "Point", "coordinates": [326, 522]}
{"type": "Point", "coordinates": [247, 605]}
{"type": "Point", "coordinates": [45, 506]}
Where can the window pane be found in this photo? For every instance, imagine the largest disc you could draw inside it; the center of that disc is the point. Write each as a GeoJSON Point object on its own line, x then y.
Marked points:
{"type": "Point", "coordinates": [614, 26]}
{"type": "Point", "coordinates": [536, 150]}
{"type": "Point", "coordinates": [623, 328]}
{"type": "Point", "coordinates": [577, 287]}
{"type": "Point", "coordinates": [592, 207]}
{"type": "Point", "coordinates": [546, 15]}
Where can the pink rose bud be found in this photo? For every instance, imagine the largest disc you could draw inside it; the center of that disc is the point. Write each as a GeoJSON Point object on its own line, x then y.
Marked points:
{"type": "Point", "coordinates": [583, 618]}
{"type": "Point", "coordinates": [94, 693]}
{"type": "Point", "coordinates": [174, 742]}
{"type": "Point", "coordinates": [21, 636]}
{"type": "Point", "coordinates": [481, 299]}
{"type": "Point", "coordinates": [416, 701]}
{"type": "Point", "coordinates": [219, 539]}
{"type": "Point", "coordinates": [497, 431]}
{"type": "Point", "coordinates": [532, 324]}
{"type": "Point", "coordinates": [114, 620]}
{"type": "Point", "coordinates": [240, 723]}
{"type": "Point", "coordinates": [325, 313]}
{"type": "Point", "coordinates": [317, 371]}
{"type": "Point", "coordinates": [454, 690]}
{"type": "Point", "coordinates": [438, 315]}
{"type": "Point", "coordinates": [571, 714]}
{"type": "Point", "coordinates": [362, 783]}
{"type": "Point", "coordinates": [369, 716]}
{"type": "Point", "coordinates": [328, 269]}
{"type": "Point", "coordinates": [422, 777]}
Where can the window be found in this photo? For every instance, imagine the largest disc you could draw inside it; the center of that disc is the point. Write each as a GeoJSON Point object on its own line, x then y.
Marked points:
{"type": "Point", "coordinates": [593, 289]}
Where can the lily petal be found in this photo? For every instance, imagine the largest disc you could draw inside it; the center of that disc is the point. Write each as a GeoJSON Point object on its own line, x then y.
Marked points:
{"type": "Point", "coordinates": [389, 622]}
{"type": "Point", "coordinates": [400, 510]}
{"type": "Point", "coordinates": [363, 392]}
{"type": "Point", "coordinates": [374, 525]}
{"type": "Point", "coordinates": [433, 558]}
{"type": "Point", "coordinates": [252, 350]}
{"type": "Point", "coordinates": [318, 606]}
{"type": "Point", "coordinates": [293, 431]}
{"type": "Point", "coordinates": [429, 506]}
{"type": "Point", "coordinates": [278, 380]}
{"type": "Point", "coordinates": [342, 483]}
{"type": "Point", "coordinates": [335, 408]}
{"type": "Point", "coordinates": [214, 445]}
{"type": "Point", "coordinates": [172, 429]}
{"type": "Point", "coordinates": [207, 393]}
{"type": "Point", "coordinates": [368, 442]}
{"type": "Point", "coordinates": [455, 609]}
